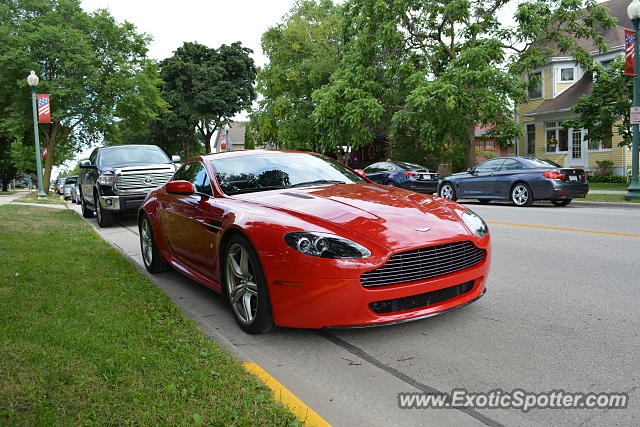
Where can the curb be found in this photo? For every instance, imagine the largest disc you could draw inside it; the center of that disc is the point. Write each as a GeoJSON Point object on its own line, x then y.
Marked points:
{"type": "Point", "coordinates": [623, 205]}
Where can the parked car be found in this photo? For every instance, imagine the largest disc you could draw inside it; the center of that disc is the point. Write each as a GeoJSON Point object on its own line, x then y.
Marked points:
{"type": "Point", "coordinates": [403, 175]}
{"type": "Point", "coordinates": [116, 179]}
{"type": "Point", "coordinates": [60, 185]}
{"type": "Point", "coordinates": [297, 239]}
{"type": "Point", "coordinates": [519, 179]}
{"type": "Point", "coordinates": [75, 193]}
{"type": "Point", "coordinates": [69, 183]}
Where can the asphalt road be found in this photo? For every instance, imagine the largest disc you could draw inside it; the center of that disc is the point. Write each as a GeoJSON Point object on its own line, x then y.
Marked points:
{"type": "Point", "coordinates": [561, 312]}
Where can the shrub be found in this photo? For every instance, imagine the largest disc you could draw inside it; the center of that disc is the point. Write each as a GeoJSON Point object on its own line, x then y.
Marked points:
{"type": "Point", "coordinates": [610, 178]}
{"type": "Point", "coordinates": [605, 167]}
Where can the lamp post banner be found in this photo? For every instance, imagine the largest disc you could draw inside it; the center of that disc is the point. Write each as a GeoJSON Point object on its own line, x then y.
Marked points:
{"type": "Point", "coordinates": [44, 109]}
{"type": "Point", "coordinates": [629, 46]}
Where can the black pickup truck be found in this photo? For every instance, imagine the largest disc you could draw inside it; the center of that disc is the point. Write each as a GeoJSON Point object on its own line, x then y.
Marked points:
{"type": "Point", "coordinates": [117, 179]}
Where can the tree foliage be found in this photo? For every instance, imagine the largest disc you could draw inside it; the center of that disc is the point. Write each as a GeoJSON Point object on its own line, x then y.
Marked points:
{"type": "Point", "coordinates": [95, 69]}
{"type": "Point", "coordinates": [206, 87]}
{"type": "Point", "coordinates": [608, 105]}
{"type": "Point", "coordinates": [428, 72]}
{"type": "Point", "coordinates": [303, 53]}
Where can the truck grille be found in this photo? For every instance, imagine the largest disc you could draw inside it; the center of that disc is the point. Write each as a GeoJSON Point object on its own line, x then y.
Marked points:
{"type": "Point", "coordinates": [424, 263]}
{"type": "Point", "coordinates": [140, 181]}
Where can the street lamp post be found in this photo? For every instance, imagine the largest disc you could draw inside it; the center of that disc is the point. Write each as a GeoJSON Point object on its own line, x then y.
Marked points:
{"type": "Point", "coordinates": [633, 192]}
{"type": "Point", "coordinates": [33, 81]}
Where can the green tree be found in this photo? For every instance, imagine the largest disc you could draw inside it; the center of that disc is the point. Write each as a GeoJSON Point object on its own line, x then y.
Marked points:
{"type": "Point", "coordinates": [206, 87]}
{"type": "Point", "coordinates": [95, 69]}
{"type": "Point", "coordinates": [303, 53]}
{"type": "Point", "coordinates": [608, 106]}
{"type": "Point", "coordinates": [433, 70]}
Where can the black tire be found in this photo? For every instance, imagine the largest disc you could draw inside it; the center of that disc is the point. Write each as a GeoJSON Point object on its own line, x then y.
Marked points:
{"type": "Point", "coordinates": [105, 219]}
{"type": "Point", "coordinates": [561, 202]}
{"type": "Point", "coordinates": [521, 195]}
{"type": "Point", "coordinates": [249, 286]}
{"type": "Point", "coordinates": [86, 212]}
{"type": "Point", "coordinates": [150, 254]}
{"type": "Point", "coordinates": [484, 201]}
{"type": "Point", "coordinates": [448, 191]}
{"type": "Point", "coordinates": [391, 184]}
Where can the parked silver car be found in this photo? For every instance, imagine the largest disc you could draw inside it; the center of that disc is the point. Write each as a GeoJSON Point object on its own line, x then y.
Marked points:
{"type": "Point", "coordinates": [69, 183]}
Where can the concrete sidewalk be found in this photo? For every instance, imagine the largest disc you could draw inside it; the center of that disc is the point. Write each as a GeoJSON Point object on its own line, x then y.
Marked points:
{"type": "Point", "coordinates": [8, 198]}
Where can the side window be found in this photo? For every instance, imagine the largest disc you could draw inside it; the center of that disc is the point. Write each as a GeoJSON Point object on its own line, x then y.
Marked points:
{"type": "Point", "coordinates": [510, 165]}
{"type": "Point", "coordinates": [390, 167]}
{"type": "Point", "coordinates": [93, 156]}
{"type": "Point", "coordinates": [490, 165]}
{"type": "Point", "coordinates": [372, 168]}
{"type": "Point", "coordinates": [196, 174]}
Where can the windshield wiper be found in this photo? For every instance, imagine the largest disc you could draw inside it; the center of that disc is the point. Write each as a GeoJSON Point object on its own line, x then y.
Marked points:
{"type": "Point", "coordinates": [318, 181]}
{"type": "Point", "coordinates": [252, 190]}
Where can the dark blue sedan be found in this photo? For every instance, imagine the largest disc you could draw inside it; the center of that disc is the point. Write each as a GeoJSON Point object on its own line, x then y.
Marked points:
{"type": "Point", "coordinates": [403, 175]}
{"type": "Point", "coordinates": [519, 179]}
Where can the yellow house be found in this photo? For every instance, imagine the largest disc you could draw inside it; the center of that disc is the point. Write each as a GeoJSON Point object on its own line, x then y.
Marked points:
{"type": "Point", "coordinates": [562, 82]}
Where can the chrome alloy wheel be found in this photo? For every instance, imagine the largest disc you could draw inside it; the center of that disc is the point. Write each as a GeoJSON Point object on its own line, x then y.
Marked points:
{"type": "Point", "coordinates": [520, 195]}
{"type": "Point", "coordinates": [241, 284]}
{"type": "Point", "coordinates": [147, 242]}
{"type": "Point", "coordinates": [447, 191]}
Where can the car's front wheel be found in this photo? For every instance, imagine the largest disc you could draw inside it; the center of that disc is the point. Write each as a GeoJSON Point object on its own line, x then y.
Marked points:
{"type": "Point", "coordinates": [150, 253]}
{"type": "Point", "coordinates": [86, 212]}
{"type": "Point", "coordinates": [246, 288]}
{"type": "Point", "coordinates": [521, 195]}
{"type": "Point", "coordinates": [448, 192]}
{"type": "Point", "coordinates": [561, 202]}
{"type": "Point", "coordinates": [105, 219]}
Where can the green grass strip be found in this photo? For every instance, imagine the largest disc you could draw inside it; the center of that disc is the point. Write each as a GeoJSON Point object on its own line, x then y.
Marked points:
{"type": "Point", "coordinates": [86, 339]}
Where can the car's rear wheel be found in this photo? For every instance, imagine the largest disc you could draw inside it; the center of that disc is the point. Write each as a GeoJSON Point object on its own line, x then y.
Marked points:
{"type": "Point", "coordinates": [105, 219]}
{"type": "Point", "coordinates": [391, 184]}
{"type": "Point", "coordinates": [521, 195]}
{"type": "Point", "coordinates": [86, 212]}
{"type": "Point", "coordinates": [246, 288]}
{"type": "Point", "coordinates": [448, 192]}
{"type": "Point", "coordinates": [561, 202]}
{"type": "Point", "coordinates": [150, 253]}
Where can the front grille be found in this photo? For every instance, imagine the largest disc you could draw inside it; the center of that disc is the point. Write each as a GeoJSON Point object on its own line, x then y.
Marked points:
{"type": "Point", "coordinates": [420, 300]}
{"type": "Point", "coordinates": [424, 263]}
{"type": "Point", "coordinates": [137, 181]}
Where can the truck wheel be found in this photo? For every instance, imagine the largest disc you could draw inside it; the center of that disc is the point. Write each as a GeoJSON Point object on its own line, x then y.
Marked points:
{"type": "Point", "coordinates": [86, 212]}
{"type": "Point", "coordinates": [105, 219]}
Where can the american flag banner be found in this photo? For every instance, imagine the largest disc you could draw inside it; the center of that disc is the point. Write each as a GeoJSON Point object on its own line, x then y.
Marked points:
{"type": "Point", "coordinates": [628, 45]}
{"type": "Point", "coordinates": [222, 139]}
{"type": "Point", "coordinates": [44, 109]}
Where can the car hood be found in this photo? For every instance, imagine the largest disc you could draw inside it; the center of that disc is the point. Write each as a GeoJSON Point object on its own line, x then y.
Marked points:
{"type": "Point", "coordinates": [395, 218]}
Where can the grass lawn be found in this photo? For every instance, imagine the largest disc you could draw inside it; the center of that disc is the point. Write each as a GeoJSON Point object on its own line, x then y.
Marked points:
{"type": "Point", "coordinates": [52, 198]}
{"type": "Point", "coordinates": [85, 339]}
{"type": "Point", "coordinates": [606, 198]}
{"type": "Point", "coordinates": [607, 186]}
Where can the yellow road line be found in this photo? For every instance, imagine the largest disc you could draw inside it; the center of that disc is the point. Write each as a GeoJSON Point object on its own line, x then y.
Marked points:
{"type": "Point", "coordinates": [575, 230]}
{"type": "Point", "coordinates": [305, 414]}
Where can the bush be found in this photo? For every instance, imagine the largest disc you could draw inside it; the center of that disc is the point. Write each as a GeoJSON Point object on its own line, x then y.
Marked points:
{"type": "Point", "coordinates": [604, 167]}
{"type": "Point", "coordinates": [611, 179]}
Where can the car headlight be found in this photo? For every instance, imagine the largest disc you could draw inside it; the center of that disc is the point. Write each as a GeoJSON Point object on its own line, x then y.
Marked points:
{"type": "Point", "coordinates": [325, 245]}
{"type": "Point", "coordinates": [106, 179]}
{"type": "Point", "coordinates": [475, 223]}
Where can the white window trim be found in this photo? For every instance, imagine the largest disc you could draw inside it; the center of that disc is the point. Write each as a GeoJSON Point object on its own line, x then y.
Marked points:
{"type": "Point", "coordinates": [560, 68]}
{"type": "Point", "coordinates": [557, 128]}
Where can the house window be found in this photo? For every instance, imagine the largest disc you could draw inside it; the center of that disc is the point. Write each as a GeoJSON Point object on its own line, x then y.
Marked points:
{"type": "Point", "coordinates": [600, 145]}
{"type": "Point", "coordinates": [531, 139]}
{"type": "Point", "coordinates": [567, 74]}
{"type": "Point", "coordinates": [557, 138]}
{"type": "Point", "coordinates": [535, 91]}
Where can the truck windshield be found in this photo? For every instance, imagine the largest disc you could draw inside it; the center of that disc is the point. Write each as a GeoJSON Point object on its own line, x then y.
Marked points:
{"type": "Point", "coordinates": [138, 155]}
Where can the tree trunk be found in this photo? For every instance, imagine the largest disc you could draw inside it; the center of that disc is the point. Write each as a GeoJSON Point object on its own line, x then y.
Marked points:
{"type": "Point", "coordinates": [186, 148]}
{"type": "Point", "coordinates": [470, 147]}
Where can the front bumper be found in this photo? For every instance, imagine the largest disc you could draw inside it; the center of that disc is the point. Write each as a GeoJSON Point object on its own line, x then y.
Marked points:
{"type": "Point", "coordinates": [308, 302]}
{"type": "Point", "coordinates": [129, 203]}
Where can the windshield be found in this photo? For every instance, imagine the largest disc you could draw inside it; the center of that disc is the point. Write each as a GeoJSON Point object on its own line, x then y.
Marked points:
{"type": "Point", "coordinates": [71, 180]}
{"type": "Point", "coordinates": [538, 162]}
{"type": "Point", "coordinates": [138, 155]}
{"type": "Point", "coordinates": [259, 172]}
{"type": "Point", "coordinates": [409, 166]}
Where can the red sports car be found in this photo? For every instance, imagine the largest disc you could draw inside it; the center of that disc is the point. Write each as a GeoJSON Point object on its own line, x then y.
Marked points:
{"type": "Point", "coordinates": [297, 239]}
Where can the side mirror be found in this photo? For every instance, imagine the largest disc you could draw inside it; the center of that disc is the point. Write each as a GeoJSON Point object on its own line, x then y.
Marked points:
{"type": "Point", "coordinates": [180, 187]}
{"type": "Point", "coordinates": [472, 171]}
{"type": "Point", "coordinates": [360, 172]}
{"type": "Point", "coordinates": [86, 164]}
{"type": "Point", "coordinates": [175, 159]}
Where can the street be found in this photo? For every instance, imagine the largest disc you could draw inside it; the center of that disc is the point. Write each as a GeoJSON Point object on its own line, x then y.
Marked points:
{"type": "Point", "coordinates": [560, 312]}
